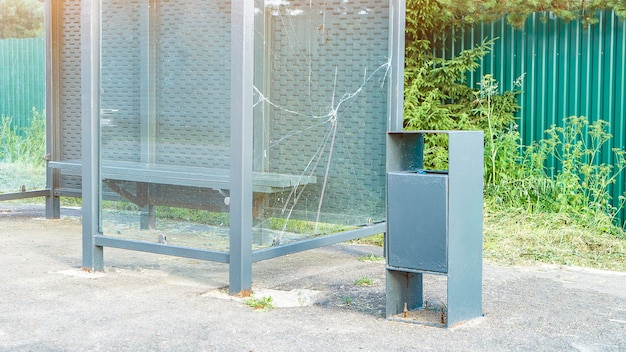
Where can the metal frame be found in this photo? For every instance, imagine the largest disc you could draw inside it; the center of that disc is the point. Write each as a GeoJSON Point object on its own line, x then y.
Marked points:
{"type": "Point", "coordinates": [397, 16]}
{"type": "Point", "coordinates": [52, 117]}
{"type": "Point", "coordinates": [240, 256]}
{"type": "Point", "coordinates": [90, 109]}
{"type": "Point", "coordinates": [53, 203]}
{"type": "Point", "coordinates": [241, 136]}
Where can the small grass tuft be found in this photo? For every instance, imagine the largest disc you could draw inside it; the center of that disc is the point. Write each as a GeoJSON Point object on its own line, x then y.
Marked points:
{"type": "Point", "coordinates": [264, 303]}
{"type": "Point", "coordinates": [371, 258]}
{"type": "Point", "coordinates": [347, 300]}
{"type": "Point", "coordinates": [364, 281]}
{"type": "Point", "coordinates": [374, 240]}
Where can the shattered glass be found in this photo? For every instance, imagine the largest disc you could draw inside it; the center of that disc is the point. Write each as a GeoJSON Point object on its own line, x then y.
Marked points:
{"type": "Point", "coordinates": [320, 115]}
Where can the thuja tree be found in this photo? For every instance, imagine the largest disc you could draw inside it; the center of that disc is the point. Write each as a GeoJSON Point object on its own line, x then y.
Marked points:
{"type": "Point", "coordinates": [437, 97]}
{"type": "Point", "coordinates": [436, 94]}
{"type": "Point", "coordinates": [516, 11]}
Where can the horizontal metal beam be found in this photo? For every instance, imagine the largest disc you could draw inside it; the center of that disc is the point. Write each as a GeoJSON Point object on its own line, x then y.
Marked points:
{"type": "Point", "coordinates": [25, 194]}
{"type": "Point", "coordinates": [149, 247]}
{"type": "Point", "coordinates": [300, 246]}
{"type": "Point", "coordinates": [68, 192]}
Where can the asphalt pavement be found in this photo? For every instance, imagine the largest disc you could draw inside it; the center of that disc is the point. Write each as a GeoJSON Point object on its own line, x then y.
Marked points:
{"type": "Point", "coordinates": [328, 299]}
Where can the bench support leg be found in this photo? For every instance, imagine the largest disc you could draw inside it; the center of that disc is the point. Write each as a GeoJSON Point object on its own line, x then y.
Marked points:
{"type": "Point", "coordinates": [148, 217]}
{"type": "Point", "coordinates": [53, 207]}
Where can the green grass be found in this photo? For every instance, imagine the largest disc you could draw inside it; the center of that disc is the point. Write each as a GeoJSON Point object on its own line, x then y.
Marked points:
{"type": "Point", "coordinates": [374, 240]}
{"type": "Point", "coordinates": [364, 281]}
{"type": "Point", "coordinates": [516, 237]}
{"type": "Point", "coordinates": [264, 303]}
{"type": "Point", "coordinates": [371, 258]}
{"type": "Point", "coordinates": [195, 215]}
{"type": "Point", "coordinates": [306, 227]}
{"type": "Point", "coordinates": [24, 145]}
{"type": "Point", "coordinates": [15, 174]}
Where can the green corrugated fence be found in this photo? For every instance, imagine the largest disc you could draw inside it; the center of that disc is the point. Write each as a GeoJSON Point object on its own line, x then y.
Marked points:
{"type": "Point", "coordinates": [22, 78]}
{"type": "Point", "coordinates": [569, 70]}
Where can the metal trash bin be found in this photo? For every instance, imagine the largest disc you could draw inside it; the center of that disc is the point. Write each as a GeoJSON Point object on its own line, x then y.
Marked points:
{"type": "Point", "coordinates": [434, 226]}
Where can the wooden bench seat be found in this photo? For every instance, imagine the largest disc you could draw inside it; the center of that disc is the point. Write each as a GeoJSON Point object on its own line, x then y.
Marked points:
{"type": "Point", "coordinates": [147, 185]}
{"type": "Point", "coordinates": [263, 182]}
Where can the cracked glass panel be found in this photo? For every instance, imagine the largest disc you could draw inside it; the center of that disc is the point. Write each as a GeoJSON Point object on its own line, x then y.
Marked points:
{"type": "Point", "coordinates": [320, 117]}
{"type": "Point", "coordinates": [165, 121]}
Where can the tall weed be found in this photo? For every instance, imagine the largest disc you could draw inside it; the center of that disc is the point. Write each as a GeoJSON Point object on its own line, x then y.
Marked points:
{"type": "Point", "coordinates": [26, 145]}
{"type": "Point", "coordinates": [577, 185]}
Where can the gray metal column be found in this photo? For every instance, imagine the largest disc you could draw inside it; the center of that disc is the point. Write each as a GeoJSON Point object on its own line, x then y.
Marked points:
{"type": "Point", "coordinates": [401, 287]}
{"type": "Point", "coordinates": [397, 15]}
{"type": "Point", "coordinates": [465, 226]}
{"type": "Point", "coordinates": [53, 204]}
{"type": "Point", "coordinates": [148, 120]}
{"type": "Point", "coordinates": [241, 145]}
{"type": "Point", "coordinates": [90, 109]}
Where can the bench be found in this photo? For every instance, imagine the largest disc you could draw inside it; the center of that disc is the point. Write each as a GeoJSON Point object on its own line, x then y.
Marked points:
{"type": "Point", "coordinates": [202, 188]}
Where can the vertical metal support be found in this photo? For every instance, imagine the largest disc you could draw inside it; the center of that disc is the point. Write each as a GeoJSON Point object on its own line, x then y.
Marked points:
{"type": "Point", "coordinates": [52, 11]}
{"type": "Point", "coordinates": [147, 42]}
{"type": "Point", "coordinates": [262, 83]}
{"type": "Point", "coordinates": [147, 215]}
{"type": "Point", "coordinates": [401, 287]}
{"type": "Point", "coordinates": [147, 123]}
{"type": "Point", "coordinates": [397, 15]}
{"type": "Point", "coordinates": [465, 226]}
{"type": "Point", "coordinates": [404, 290]}
{"type": "Point", "coordinates": [241, 145]}
{"type": "Point", "coordinates": [90, 110]}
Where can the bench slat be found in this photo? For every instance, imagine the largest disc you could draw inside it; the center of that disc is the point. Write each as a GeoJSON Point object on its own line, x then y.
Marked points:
{"type": "Point", "coordinates": [263, 182]}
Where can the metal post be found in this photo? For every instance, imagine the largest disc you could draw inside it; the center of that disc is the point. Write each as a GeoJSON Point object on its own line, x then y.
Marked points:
{"type": "Point", "coordinates": [465, 232]}
{"type": "Point", "coordinates": [397, 15]}
{"type": "Point", "coordinates": [148, 120]}
{"type": "Point", "coordinates": [241, 146]}
{"type": "Point", "coordinates": [90, 108]}
{"type": "Point", "coordinates": [53, 204]}
{"type": "Point", "coordinates": [402, 288]}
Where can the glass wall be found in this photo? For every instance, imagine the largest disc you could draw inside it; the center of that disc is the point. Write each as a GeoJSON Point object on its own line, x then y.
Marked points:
{"type": "Point", "coordinates": [165, 126]}
{"type": "Point", "coordinates": [22, 114]}
{"type": "Point", "coordinates": [320, 117]}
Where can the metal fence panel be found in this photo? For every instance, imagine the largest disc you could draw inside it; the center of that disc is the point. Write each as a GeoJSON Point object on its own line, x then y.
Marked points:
{"type": "Point", "coordinates": [568, 70]}
{"type": "Point", "coordinates": [22, 79]}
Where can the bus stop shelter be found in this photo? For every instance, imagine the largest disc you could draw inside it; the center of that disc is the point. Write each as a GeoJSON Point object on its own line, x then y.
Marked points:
{"type": "Point", "coordinates": [230, 131]}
